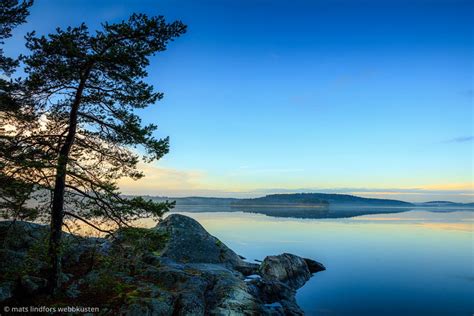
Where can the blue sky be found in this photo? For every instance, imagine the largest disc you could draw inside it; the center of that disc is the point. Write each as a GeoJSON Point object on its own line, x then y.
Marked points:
{"type": "Point", "coordinates": [365, 97]}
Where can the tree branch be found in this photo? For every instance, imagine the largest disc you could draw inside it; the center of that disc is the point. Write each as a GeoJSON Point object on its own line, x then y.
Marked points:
{"type": "Point", "coordinates": [88, 223]}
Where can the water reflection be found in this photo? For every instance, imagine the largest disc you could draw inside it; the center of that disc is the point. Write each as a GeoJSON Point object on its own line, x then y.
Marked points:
{"type": "Point", "coordinates": [414, 263]}
{"type": "Point", "coordinates": [406, 263]}
{"type": "Point", "coordinates": [302, 211]}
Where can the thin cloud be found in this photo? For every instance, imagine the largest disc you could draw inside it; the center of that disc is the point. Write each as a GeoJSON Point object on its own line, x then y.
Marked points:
{"type": "Point", "coordinates": [465, 189]}
{"type": "Point", "coordinates": [162, 179]}
{"type": "Point", "coordinates": [252, 171]}
{"type": "Point", "coordinates": [468, 93]}
{"type": "Point", "coordinates": [462, 139]}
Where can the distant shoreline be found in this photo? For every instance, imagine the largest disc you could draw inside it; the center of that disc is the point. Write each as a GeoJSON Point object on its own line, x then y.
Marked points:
{"type": "Point", "coordinates": [306, 200]}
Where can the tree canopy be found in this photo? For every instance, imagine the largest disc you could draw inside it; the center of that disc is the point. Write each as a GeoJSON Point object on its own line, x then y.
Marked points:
{"type": "Point", "coordinates": [76, 130]}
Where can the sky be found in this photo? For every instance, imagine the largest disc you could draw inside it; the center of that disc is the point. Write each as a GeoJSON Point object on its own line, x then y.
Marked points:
{"type": "Point", "coordinates": [373, 98]}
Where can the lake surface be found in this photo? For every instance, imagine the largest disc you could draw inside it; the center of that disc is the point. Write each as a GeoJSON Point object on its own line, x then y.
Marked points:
{"type": "Point", "coordinates": [410, 263]}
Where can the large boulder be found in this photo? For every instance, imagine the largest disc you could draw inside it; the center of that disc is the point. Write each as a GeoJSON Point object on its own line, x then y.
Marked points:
{"type": "Point", "coordinates": [289, 269]}
{"type": "Point", "coordinates": [188, 241]}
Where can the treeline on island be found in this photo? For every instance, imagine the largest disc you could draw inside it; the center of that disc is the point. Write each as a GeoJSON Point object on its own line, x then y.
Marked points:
{"type": "Point", "coordinates": [305, 199]}
{"type": "Point", "coordinates": [318, 199]}
{"type": "Point", "coordinates": [306, 205]}
{"type": "Point", "coordinates": [292, 199]}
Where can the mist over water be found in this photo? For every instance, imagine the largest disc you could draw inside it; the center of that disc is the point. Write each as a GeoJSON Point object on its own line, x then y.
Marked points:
{"type": "Point", "coordinates": [409, 263]}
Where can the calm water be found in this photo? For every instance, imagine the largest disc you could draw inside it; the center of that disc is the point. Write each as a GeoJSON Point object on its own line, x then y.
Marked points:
{"type": "Point", "coordinates": [412, 263]}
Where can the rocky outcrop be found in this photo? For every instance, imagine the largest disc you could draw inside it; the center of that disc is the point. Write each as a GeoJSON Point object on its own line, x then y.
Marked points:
{"type": "Point", "coordinates": [23, 253]}
{"type": "Point", "coordinates": [188, 241]}
{"type": "Point", "coordinates": [214, 280]}
{"type": "Point", "coordinates": [191, 273]}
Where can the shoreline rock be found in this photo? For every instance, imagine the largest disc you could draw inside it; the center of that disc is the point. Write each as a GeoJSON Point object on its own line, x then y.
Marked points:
{"type": "Point", "coordinates": [190, 273]}
{"type": "Point", "coordinates": [188, 241]}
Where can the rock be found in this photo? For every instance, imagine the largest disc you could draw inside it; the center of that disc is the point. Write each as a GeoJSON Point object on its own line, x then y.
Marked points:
{"type": "Point", "coordinates": [65, 277]}
{"type": "Point", "coordinates": [6, 290]}
{"type": "Point", "coordinates": [230, 295]}
{"type": "Point", "coordinates": [271, 292]}
{"type": "Point", "coordinates": [149, 300]}
{"type": "Point", "coordinates": [147, 306]}
{"type": "Point", "coordinates": [188, 241]}
{"type": "Point", "coordinates": [104, 246]}
{"type": "Point", "coordinates": [274, 309]}
{"type": "Point", "coordinates": [193, 273]}
{"type": "Point", "coordinates": [172, 278]}
{"type": "Point", "coordinates": [287, 268]}
{"type": "Point", "coordinates": [11, 261]}
{"type": "Point", "coordinates": [190, 303]}
{"type": "Point", "coordinates": [73, 291]}
{"type": "Point", "coordinates": [24, 239]}
{"type": "Point", "coordinates": [31, 285]}
{"type": "Point", "coordinates": [187, 282]}
{"type": "Point", "coordinates": [204, 288]}
{"type": "Point", "coordinates": [77, 247]}
{"type": "Point", "coordinates": [248, 268]}
{"type": "Point", "coordinates": [20, 236]}
{"type": "Point", "coordinates": [314, 266]}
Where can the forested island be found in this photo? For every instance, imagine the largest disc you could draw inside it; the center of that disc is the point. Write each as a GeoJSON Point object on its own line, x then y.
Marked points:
{"type": "Point", "coordinates": [306, 205]}
{"type": "Point", "coordinates": [319, 199]}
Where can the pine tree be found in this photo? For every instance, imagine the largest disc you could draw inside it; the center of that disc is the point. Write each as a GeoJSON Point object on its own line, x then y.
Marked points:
{"type": "Point", "coordinates": [82, 133]}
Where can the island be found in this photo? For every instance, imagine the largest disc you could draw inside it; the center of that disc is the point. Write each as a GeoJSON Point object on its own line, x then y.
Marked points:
{"type": "Point", "coordinates": [306, 205]}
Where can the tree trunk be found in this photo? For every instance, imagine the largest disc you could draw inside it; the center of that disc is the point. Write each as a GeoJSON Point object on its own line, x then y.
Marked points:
{"type": "Point", "coordinates": [57, 211]}
{"type": "Point", "coordinates": [56, 225]}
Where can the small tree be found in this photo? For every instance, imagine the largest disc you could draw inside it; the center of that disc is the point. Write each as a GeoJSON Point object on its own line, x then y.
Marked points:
{"type": "Point", "coordinates": [82, 90]}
